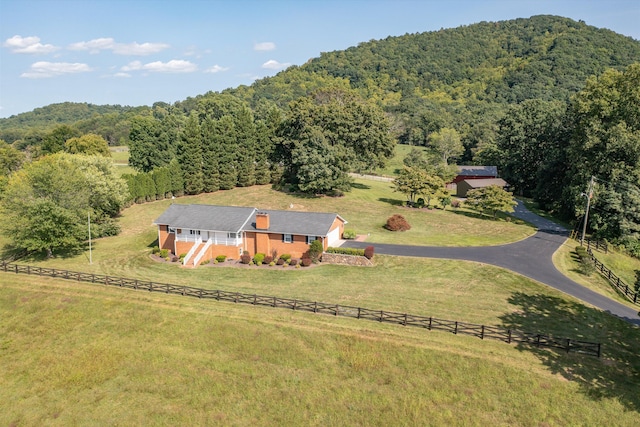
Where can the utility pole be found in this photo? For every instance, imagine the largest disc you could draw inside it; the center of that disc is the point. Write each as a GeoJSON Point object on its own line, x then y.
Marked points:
{"type": "Point", "coordinates": [89, 225]}
{"type": "Point", "coordinates": [586, 214]}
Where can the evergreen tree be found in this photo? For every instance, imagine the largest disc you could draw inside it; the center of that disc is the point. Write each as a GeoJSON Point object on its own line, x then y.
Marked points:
{"type": "Point", "coordinates": [190, 156]}
{"type": "Point", "coordinates": [211, 152]}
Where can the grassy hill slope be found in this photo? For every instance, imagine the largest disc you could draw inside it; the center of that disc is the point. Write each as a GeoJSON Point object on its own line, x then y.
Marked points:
{"type": "Point", "coordinates": [76, 353]}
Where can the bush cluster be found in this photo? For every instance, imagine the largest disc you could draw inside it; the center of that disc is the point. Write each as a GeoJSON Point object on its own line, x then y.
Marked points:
{"type": "Point", "coordinates": [245, 258]}
{"type": "Point", "coordinates": [587, 266]}
{"type": "Point", "coordinates": [221, 258]}
{"type": "Point", "coordinates": [397, 223]}
{"type": "Point", "coordinates": [368, 252]}
{"type": "Point", "coordinates": [306, 261]}
{"type": "Point", "coordinates": [285, 257]}
{"type": "Point", "coordinates": [349, 234]}
{"type": "Point", "coordinates": [258, 258]}
{"type": "Point", "coordinates": [346, 251]}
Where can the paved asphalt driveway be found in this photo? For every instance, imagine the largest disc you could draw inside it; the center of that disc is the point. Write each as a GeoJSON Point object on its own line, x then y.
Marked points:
{"type": "Point", "coordinates": [530, 257]}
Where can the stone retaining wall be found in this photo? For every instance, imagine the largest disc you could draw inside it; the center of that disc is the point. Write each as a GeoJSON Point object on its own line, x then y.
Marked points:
{"type": "Point", "coordinates": [342, 259]}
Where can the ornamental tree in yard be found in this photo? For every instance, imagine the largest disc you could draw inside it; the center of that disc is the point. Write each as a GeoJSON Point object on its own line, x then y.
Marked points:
{"type": "Point", "coordinates": [492, 199]}
{"type": "Point", "coordinates": [415, 182]}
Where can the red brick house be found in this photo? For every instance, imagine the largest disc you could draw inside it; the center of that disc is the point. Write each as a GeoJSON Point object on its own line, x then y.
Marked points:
{"type": "Point", "coordinates": [205, 231]}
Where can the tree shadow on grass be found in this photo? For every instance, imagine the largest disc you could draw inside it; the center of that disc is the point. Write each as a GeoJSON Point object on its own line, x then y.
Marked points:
{"type": "Point", "coordinates": [616, 374]}
{"type": "Point", "coordinates": [392, 202]}
{"type": "Point", "coordinates": [360, 186]}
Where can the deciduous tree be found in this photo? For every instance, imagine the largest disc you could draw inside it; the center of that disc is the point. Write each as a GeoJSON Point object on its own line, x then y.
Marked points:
{"type": "Point", "coordinates": [46, 203]}
{"type": "Point", "coordinates": [492, 198]}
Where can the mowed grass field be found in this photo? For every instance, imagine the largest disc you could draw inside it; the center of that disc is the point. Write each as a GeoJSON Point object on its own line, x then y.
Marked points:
{"type": "Point", "coordinates": [81, 354]}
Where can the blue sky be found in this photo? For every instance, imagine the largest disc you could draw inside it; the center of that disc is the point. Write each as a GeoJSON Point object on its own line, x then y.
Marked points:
{"type": "Point", "coordinates": [137, 52]}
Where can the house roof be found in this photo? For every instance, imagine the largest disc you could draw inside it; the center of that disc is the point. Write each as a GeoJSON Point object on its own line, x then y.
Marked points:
{"type": "Point", "coordinates": [480, 183]}
{"type": "Point", "coordinates": [478, 170]}
{"type": "Point", "coordinates": [293, 222]}
{"type": "Point", "coordinates": [235, 219]}
{"type": "Point", "coordinates": [206, 217]}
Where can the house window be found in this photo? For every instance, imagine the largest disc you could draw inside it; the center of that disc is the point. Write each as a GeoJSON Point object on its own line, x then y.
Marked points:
{"type": "Point", "coordinates": [311, 239]}
{"type": "Point", "coordinates": [287, 238]}
{"type": "Point", "coordinates": [232, 235]}
{"type": "Point", "coordinates": [172, 230]}
{"type": "Point", "coordinates": [194, 232]}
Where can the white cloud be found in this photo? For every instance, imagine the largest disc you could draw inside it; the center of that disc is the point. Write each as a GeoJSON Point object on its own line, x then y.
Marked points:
{"type": "Point", "coordinates": [19, 44]}
{"type": "Point", "coordinates": [216, 69]}
{"type": "Point", "coordinates": [95, 45]}
{"type": "Point", "coordinates": [45, 69]}
{"type": "Point", "coordinates": [173, 66]}
{"type": "Point", "coordinates": [132, 66]}
{"type": "Point", "coordinates": [139, 49]}
{"type": "Point", "coordinates": [264, 46]}
{"type": "Point", "coordinates": [131, 49]}
{"type": "Point", "coordinates": [122, 75]}
{"type": "Point", "coordinates": [275, 65]}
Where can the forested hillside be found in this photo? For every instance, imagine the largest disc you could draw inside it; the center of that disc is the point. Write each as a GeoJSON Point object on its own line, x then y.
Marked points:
{"type": "Point", "coordinates": [548, 100]}
{"type": "Point", "coordinates": [105, 120]}
{"type": "Point", "coordinates": [463, 77]}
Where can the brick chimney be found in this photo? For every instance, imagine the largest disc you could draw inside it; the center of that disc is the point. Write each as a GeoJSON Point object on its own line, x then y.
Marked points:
{"type": "Point", "coordinates": [262, 221]}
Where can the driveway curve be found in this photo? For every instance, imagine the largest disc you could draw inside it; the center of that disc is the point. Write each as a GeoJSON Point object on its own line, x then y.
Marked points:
{"type": "Point", "coordinates": [531, 257]}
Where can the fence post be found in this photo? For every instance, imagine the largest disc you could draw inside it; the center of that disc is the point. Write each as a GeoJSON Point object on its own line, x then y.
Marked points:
{"type": "Point", "coordinates": [508, 336]}
{"type": "Point", "coordinates": [404, 323]}
{"type": "Point", "coordinates": [599, 350]}
{"type": "Point", "coordinates": [456, 330]}
{"type": "Point", "coordinates": [430, 319]}
{"type": "Point", "coordinates": [337, 309]}
{"type": "Point", "coordinates": [568, 344]}
{"type": "Point", "coordinates": [358, 312]}
{"type": "Point", "coordinates": [482, 333]}
{"type": "Point", "coordinates": [381, 313]}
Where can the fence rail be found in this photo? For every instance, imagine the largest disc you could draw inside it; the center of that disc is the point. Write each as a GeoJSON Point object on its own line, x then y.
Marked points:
{"type": "Point", "coordinates": [623, 288]}
{"type": "Point", "coordinates": [599, 245]}
{"type": "Point", "coordinates": [405, 319]}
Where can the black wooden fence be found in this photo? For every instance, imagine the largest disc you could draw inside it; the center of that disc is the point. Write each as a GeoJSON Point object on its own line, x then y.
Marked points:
{"type": "Point", "coordinates": [631, 294]}
{"type": "Point", "coordinates": [460, 328]}
{"type": "Point", "coordinates": [599, 245]}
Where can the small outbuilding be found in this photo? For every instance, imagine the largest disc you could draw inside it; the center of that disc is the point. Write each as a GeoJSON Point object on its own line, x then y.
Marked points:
{"type": "Point", "coordinates": [475, 172]}
{"type": "Point", "coordinates": [464, 186]}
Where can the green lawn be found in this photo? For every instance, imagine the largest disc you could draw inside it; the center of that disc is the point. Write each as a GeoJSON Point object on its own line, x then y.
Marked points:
{"type": "Point", "coordinates": [395, 163]}
{"type": "Point", "coordinates": [78, 354]}
{"type": "Point", "coordinates": [622, 265]}
{"type": "Point", "coordinates": [120, 155]}
{"type": "Point", "coordinates": [74, 353]}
